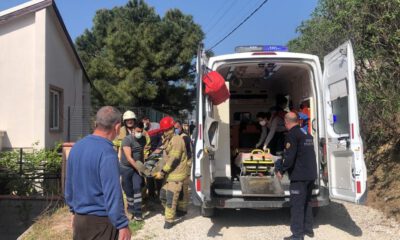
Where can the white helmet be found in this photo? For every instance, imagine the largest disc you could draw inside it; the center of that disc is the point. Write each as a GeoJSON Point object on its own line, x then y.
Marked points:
{"type": "Point", "coordinates": [128, 115]}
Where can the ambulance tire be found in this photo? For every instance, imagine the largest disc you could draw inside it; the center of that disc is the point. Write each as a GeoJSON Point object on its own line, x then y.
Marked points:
{"type": "Point", "coordinates": [207, 212]}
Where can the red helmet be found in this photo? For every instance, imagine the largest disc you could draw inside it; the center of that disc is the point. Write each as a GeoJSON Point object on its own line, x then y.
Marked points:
{"type": "Point", "coordinates": [166, 123]}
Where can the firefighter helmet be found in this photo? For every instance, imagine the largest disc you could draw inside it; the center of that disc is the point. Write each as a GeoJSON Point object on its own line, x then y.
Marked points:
{"type": "Point", "coordinates": [128, 115]}
{"type": "Point", "coordinates": [167, 123]}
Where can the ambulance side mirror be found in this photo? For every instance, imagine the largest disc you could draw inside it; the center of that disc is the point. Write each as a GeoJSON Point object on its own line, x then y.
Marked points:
{"type": "Point", "coordinates": [211, 132]}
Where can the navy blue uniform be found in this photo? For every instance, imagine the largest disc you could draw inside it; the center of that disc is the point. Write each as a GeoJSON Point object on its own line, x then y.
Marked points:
{"type": "Point", "coordinates": [300, 163]}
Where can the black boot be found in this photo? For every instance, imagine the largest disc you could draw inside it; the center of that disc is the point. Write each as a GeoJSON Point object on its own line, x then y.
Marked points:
{"type": "Point", "coordinates": [310, 234]}
{"type": "Point", "coordinates": [168, 225]}
{"type": "Point", "coordinates": [180, 213]}
{"type": "Point", "coordinates": [293, 238]}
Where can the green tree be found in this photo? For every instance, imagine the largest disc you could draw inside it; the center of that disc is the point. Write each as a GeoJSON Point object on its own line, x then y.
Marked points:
{"type": "Point", "coordinates": [137, 58]}
{"type": "Point", "coordinates": [373, 26]}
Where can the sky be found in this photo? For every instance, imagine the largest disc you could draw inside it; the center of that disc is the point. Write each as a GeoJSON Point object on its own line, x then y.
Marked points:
{"type": "Point", "coordinates": [275, 23]}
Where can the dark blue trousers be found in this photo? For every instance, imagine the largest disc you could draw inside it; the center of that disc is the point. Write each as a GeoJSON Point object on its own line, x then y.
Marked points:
{"type": "Point", "coordinates": [132, 184]}
{"type": "Point", "coordinates": [301, 218]}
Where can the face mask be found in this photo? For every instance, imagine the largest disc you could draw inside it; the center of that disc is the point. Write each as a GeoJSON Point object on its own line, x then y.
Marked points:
{"type": "Point", "coordinates": [263, 122]}
{"type": "Point", "coordinates": [138, 134]}
{"type": "Point", "coordinates": [177, 131]}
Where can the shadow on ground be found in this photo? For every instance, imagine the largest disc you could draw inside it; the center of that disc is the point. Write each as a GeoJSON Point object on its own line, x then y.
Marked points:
{"type": "Point", "coordinates": [335, 215]}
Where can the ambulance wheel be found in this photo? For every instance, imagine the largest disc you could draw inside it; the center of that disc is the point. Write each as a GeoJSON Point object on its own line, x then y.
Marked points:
{"type": "Point", "coordinates": [207, 212]}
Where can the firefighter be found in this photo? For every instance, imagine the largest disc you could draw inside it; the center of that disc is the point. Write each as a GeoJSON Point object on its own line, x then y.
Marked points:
{"type": "Point", "coordinates": [300, 163]}
{"type": "Point", "coordinates": [183, 205]}
{"type": "Point", "coordinates": [174, 171]}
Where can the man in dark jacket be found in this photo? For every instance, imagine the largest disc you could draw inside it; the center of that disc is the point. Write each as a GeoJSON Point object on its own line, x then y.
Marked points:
{"type": "Point", "coordinates": [300, 162]}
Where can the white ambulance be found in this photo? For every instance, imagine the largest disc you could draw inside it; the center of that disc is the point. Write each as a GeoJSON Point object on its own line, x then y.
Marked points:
{"type": "Point", "coordinates": [254, 75]}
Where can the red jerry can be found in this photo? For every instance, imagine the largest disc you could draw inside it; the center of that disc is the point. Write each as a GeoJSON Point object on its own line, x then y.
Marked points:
{"type": "Point", "coordinates": [215, 87]}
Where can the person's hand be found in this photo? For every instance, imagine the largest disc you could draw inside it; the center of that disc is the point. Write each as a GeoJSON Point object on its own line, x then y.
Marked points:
{"type": "Point", "coordinates": [265, 148]}
{"type": "Point", "coordinates": [279, 175]}
{"type": "Point", "coordinates": [158, 175]}
{"type": "Point", "coordinates": [124, 234]}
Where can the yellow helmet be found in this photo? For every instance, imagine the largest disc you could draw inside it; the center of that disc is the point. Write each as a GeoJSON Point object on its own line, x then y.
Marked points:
{"type": "Point", "coordinates": [128, 115]}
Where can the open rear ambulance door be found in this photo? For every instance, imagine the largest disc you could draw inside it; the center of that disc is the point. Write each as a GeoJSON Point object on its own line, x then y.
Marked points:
{"type": "Point", "coordinates": [346, 166]}
{"type": "Point", "coordinates": [206, 141]}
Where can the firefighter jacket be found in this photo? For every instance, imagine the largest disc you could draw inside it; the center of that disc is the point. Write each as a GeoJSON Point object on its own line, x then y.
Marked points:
{"type": "Point", "coordinates": [176, 159]}
{"type": "Point", "coordinates": [189, 151]}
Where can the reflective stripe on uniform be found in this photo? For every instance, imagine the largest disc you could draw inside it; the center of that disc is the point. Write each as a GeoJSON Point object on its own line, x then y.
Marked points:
{"type": "Point", "coordinates": [166, 168]}
{"type": "Point", "coordinates": [176, 176]}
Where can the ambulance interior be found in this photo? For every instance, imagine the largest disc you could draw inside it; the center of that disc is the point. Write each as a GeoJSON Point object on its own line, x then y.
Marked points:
{"type": "Point", "coordinates": [253, 87]}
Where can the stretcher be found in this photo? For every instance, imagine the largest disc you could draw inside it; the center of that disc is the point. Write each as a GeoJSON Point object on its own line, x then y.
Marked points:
{"type": "Point", "coordinates": [256, 162]}
{"type": "Point", "coordinates": [257, 175]}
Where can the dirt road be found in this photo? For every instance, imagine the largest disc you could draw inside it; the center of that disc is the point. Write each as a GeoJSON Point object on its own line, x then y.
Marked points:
{"type": "Point", "coordinates": [337, 221]}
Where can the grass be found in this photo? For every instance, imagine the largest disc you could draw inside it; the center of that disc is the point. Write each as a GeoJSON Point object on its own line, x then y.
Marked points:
{"type": "Point", "coordinates": [57, 225]}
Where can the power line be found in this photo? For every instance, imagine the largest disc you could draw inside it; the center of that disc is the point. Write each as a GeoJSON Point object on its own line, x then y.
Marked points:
{"type": "Point", "coordinates": [245, 20]}
{"type": "Point", "coordinates": [245, 10]}
{"type": "Point", "coordinates": [222, 16]}
{"type": "Point", "coordinates": [216, 13]}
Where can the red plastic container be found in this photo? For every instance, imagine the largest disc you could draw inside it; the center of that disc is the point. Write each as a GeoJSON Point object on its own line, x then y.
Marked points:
{"type": "Point", "coordinates": [215, 87]}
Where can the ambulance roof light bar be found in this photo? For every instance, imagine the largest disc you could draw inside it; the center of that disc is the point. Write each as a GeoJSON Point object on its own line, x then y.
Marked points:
{"type": "Point", "coordinates": [261, 48]}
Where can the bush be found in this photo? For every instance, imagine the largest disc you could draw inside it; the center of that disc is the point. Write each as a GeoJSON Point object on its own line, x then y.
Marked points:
{"type": "Point", "coordinates": [26, 173]}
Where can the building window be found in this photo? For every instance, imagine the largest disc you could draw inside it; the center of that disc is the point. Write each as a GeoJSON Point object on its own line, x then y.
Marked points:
{"type": "Point", "coordinates": [55, 108]}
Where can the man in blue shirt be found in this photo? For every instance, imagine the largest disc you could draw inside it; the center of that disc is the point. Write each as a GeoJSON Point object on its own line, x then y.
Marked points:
{"type": "Point", "coordinates": [92, 188]}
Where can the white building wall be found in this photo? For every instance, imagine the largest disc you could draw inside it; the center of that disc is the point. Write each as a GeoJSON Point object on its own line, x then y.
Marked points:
{"type": "Point", "coordinates": [63, 71]}
{"type": "Point", "coordinates": [39, 104]}
{"type": "Point", "coordinates": [18, 77]}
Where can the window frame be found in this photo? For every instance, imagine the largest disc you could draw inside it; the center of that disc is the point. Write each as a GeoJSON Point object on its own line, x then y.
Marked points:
{"type": "Point", "coordinates": [56, 91]}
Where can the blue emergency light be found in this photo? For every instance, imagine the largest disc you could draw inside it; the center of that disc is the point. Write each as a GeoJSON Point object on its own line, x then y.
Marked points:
{"type": "Point", "coordinates": [261, 48]}
{"type": "Point", "coordinates": [275, 48]}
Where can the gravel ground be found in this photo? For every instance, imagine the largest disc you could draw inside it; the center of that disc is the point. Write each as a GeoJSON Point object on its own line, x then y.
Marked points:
{"type": "Point", "coordinates": [337, 221]}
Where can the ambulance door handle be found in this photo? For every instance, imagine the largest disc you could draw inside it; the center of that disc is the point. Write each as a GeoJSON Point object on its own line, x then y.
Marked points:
{"type": "Point", "coordinates": [199, 153]}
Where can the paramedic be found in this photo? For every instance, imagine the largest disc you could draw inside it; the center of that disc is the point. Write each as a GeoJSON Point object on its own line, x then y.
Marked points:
{"type": "Point", "coordinates": [132, 181]}
{"type": "Point", "coordinates": [300, 162]}
{"type": "Point", "coordinates": [174, 171]}
{"type": "Point", "coordinates": [263, 119]}
{"type": "Point", "coordinates": [276, 135]}
{"type": "Point", "coordinates": [183, 205]}
{"type": "Point", "coordinates": [92, 187]}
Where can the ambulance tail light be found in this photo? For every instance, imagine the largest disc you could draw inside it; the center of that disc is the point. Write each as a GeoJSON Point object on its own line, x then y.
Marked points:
{"type": "Point", "coordinates": [198, 184]}
{"type": "Point", "coordinates": [264, 53]}
{"type": "Point", "coordinates": [358, 186]}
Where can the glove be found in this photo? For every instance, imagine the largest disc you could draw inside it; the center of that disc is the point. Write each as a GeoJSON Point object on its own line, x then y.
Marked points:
{"type": "Point", "coordinates": [159, 175]}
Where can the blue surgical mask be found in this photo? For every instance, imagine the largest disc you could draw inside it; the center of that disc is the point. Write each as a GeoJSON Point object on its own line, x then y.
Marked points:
{"type": "Point", "coordinates": [177, 131]}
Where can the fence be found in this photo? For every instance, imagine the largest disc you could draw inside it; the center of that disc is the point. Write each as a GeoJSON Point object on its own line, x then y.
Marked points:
{"type": "Point", "coordinates": [30, 172]}
{"type": "Point", "coordinates": [79, 120]}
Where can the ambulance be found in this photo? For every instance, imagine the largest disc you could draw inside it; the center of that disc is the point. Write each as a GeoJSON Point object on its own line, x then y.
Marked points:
{"type": "Point", "coordinates": [254, 76]}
